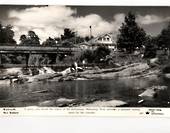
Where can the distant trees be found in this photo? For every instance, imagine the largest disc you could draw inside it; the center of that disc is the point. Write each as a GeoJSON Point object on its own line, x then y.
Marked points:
{"type": "Point", "coordinates": [49, 42]}
{"type": "Point", "coordinates": [131, 35]}
{"type": "Point", "coordinates": [31, 39]}
{"type": "Point", "coordinates": [68, 33]}
{"type": "Point", "coordinates": [163, 40]}
{"type": "Point", "coordinates": [69, 38]}
{"type": "Point", "coordinates": [6, 35]}
{"type": "Point", "coordinates": [87, 38]}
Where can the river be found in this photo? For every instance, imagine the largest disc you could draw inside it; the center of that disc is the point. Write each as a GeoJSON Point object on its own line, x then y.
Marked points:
{"type": "Point", "coordinates": [80, 92]}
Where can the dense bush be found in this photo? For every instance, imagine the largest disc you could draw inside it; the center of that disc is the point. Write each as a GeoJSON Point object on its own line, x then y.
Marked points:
{"type": "Point", "coordinates": [87, 55]}
{"type": "Point", "coordinates": [95, 56]}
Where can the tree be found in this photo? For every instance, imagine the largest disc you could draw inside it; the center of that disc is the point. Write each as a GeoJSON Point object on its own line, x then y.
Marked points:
{"type": "Point", "coordinates": [87, 38]}
{"type": "Point", "coordinates": [131, 35]}
{"type": "Point", "coordinates": [57, 39]}
{"type": "Point", "coordinates": [88, 55]}
{"type": "Point", "coordinates": [23, 39]}
{"type": "Point", "coordinates": [69, 38]}
{"type": "Point", "coordinates": [49, 42]}
{"type": "Point", "coordinates": [31, 39]}
{"type": "Point", "coordinates": [164, 38]}
{"type": "Point", "coordinates": [150, 47]}
{"type": "Point", "coordinates": [6, 35]}
{"type": "Point", "coordinates": [34, 39]}
{"type": "Point", "coordinates": [100, 53]}
{"type": "Point", "coordinates": [95, 56]}
{"type": "Point", "coordinates": [67, 34]}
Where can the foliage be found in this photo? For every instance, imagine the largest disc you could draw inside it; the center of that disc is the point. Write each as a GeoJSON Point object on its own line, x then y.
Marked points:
{"type": "Point", "coordinates": [95, 56]}
{"type": "Point", "coordinates": [31, 39]}
{"type": "Point", "coordinates": [88, 55]}
{"type": "Point", "coordinates": [67, 43]}
{"type": "Point", "coordinates": [6, 35]}
{"type": "Point", "coordinates": [164, 38]}
{"type": "Point", "coordinates": [150, 47]}
{"type": "Point", "coordinates": [13, 59]}
{"type": "Point", "coordinates": [87, 38]}
{"type": "Point", "coordinates": [69, 38]}
{"type": "Point", "coordinates": [67, 34]}
{"type": "Point", "coordinates": [100, 53]}
{"type": "Point", "coordinates": [131, 35]}
{"type": "Point", "coordinates": [49, 42]}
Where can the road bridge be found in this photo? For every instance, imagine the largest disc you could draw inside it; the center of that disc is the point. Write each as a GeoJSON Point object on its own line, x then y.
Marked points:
{"type": "Point", "coordinates": [27, 51]}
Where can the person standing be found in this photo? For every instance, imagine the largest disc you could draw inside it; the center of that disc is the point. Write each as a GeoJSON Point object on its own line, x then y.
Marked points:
{"type": "Point", "coordinates": [75, 66]}
{"type": "Point", "coordinates": [83, 62]}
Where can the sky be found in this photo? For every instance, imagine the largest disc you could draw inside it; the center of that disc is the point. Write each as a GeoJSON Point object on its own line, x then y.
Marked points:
{"type": "Point", "coordinates": [49, 21]}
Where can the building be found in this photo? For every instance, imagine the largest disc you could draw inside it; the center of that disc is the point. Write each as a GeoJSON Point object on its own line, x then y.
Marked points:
{"type": "Point", "coordinates": [104, 40]}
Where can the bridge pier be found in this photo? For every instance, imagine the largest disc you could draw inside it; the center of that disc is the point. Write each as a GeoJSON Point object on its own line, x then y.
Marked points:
{"type": "Point", "coordinates": [57, 58]}
{"type": "Point", "coordinates": [27, 59]}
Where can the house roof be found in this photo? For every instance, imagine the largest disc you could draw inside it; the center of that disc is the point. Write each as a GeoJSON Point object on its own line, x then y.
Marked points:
{"type": "Point", "coordinates": [93, 40]}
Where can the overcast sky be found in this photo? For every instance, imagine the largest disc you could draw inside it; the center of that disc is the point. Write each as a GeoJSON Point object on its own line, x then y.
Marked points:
{"type": "Point", "coordinates": [51, 20]}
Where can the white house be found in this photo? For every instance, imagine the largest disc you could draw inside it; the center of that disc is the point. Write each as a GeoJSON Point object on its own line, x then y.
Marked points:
{"type": "Point", "coordinates": [104, 40]}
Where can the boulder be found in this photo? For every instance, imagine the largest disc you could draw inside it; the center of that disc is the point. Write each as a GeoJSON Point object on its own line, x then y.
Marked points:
{"type": "Point", "coordinates": [47, 103]}
{"type": "Point", "coordinates": [149, 93]}
{"type": "Point", "coordinates": [61, 102]}
{"type": "Point", "coordinates": [152, 92]}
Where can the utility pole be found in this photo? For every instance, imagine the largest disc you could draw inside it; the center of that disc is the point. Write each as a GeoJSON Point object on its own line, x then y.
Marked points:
{"type": "Point", "coordinates": [75, 37]}
{"type": "Point", "coordinates": [90, 32]}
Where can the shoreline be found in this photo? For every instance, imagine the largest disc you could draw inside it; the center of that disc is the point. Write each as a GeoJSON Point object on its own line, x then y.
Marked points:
{"type": "Point", "coordinates": [136, 70]}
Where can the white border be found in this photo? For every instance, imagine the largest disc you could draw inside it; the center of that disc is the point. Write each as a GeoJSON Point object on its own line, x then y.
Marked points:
{"type": "Point", "coordinates": [83, 124]}
{"type": "Point", "coordinates": [86, 111]}
{"type": "Point", "coordinates": [118, 111]}
{"type": "Point", "coordinates": [90, 2]}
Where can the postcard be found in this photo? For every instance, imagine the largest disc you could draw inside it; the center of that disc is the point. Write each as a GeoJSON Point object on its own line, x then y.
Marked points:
{"type": "Point", "coordinates": [82, 60]}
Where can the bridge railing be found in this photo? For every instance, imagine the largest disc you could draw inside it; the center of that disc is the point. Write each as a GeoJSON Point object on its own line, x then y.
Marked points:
{"type": "Point", "coordinates": [37, 48]}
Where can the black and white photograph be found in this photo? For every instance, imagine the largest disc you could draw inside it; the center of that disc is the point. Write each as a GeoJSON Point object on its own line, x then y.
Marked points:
{"type": "Point", "coordinates": [84, 56]}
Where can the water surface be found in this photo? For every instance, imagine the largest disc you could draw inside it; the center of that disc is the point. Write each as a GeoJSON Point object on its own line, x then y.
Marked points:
{"type": "Point", "coordinates": [83, 91]}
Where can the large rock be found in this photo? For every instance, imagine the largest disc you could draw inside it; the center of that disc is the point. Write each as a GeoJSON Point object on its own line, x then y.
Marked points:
{"type": "Point", "coordinates": [153, 62]}
{"type": "Point", "coordinates": [149, 93]}
{"type": "Point", "coordinates": [167, 75]}
{"type": "Point", "coordinates": [11, 71]}
{"type": "Point", "coordinates": [47, 103]}
{"type": "Point", "coordinates": [5, 82]}
{"type": "Point", "coordinates": [152, 92]}
{"type": "Point", "coordinates": [62, 102]}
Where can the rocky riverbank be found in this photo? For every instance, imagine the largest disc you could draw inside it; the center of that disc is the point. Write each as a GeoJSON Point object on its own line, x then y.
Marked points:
{"type": "Point", "coordinates": [136, 70]}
